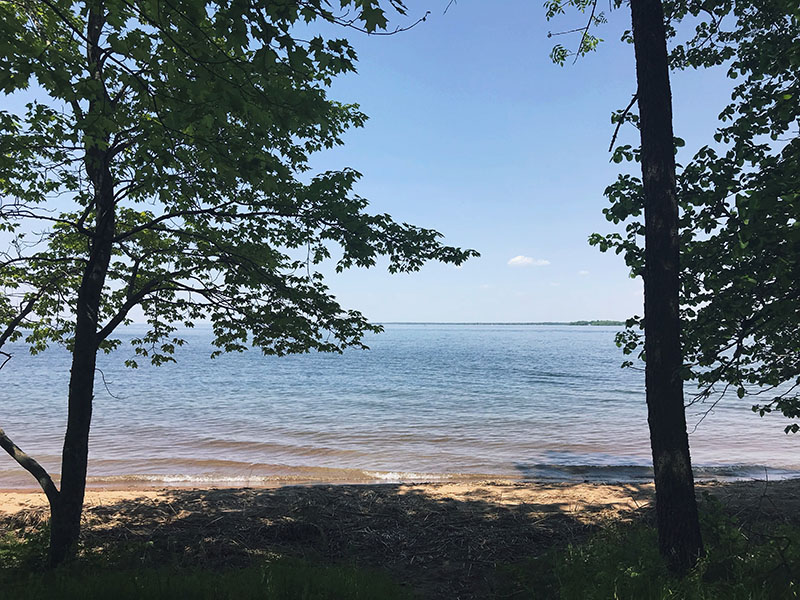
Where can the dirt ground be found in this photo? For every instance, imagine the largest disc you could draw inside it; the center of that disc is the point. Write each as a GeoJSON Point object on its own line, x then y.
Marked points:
{"type": "Point", "coordinates": [444, 539]}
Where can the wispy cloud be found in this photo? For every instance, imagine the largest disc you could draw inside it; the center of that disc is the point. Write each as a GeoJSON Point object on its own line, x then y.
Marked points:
{"type": "Point", "coordinates": [527, 261]}
{"type": "Point", "coordinates": [583, 272]}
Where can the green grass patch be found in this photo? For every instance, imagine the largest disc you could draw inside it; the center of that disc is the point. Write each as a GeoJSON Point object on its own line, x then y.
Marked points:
{"type": "Point", "coordinates": [622, 562]}
{"type": "Point", "coordinates": [99, 575]}
{"type": "Point", "coordinates": [25, 551]}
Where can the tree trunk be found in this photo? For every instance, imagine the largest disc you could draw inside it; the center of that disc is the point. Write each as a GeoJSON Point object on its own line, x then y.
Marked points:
{"type": "Point", "coordinates": [66, 509]}
{"type": "Point", "coordinates": [676, 507]}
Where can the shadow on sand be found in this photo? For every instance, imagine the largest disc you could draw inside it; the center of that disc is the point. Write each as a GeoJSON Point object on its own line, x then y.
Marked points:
{"type": "Point", "coordinates": [440, 545]}
{"type": "Point", "coordinates": [443, 540]}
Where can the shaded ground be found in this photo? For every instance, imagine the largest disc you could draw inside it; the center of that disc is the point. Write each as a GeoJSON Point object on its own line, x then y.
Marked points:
{"type": "Point", "coordinates": [444, 540]}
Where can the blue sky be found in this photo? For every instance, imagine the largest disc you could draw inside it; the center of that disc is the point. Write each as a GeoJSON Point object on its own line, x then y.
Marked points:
{"type": "Point", "coordinates": [474, 132]}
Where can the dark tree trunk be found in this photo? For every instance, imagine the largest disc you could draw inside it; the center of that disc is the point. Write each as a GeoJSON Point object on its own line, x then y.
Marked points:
{"type": "Point", "coordinates": [676, 507]}
{"type": "Point", "coordinates": [67, 507]}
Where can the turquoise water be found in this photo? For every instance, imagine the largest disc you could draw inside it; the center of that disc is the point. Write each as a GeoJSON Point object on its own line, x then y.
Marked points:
{"type": "Point", "coordinates": [427, 402]}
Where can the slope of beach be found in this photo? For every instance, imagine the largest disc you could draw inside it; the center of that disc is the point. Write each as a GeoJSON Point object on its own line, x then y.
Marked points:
{"type": "Point", "coordinates": [442, 539]}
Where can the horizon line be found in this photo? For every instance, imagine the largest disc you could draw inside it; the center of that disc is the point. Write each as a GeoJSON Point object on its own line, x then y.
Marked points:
{"type": "Point", "coordinates": [581, 322]}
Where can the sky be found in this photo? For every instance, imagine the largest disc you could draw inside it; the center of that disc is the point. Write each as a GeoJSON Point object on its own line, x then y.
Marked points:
{"type": "Point", "coordinates": [474, 132]}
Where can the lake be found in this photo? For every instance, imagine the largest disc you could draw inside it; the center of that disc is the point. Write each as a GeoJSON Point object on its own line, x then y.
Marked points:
{"type": "Point", "coordinates": [427, 402]}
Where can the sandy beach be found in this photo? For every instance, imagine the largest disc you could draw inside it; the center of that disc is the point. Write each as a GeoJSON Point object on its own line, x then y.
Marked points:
{"type": "Point", "coordinates": [442, 538]}
{"type": "Point", "coordinates": [583, 500]}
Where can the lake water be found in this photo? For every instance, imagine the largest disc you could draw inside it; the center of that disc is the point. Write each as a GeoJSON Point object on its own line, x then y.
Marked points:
{"type": "Point", "coordinates": [427, 402]}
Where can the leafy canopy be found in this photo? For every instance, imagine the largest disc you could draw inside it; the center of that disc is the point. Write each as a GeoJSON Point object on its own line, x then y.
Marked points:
{"type": "Point", "coordinates": [740, 206]}
{"type": "Point", "coordinates": [205, 114]}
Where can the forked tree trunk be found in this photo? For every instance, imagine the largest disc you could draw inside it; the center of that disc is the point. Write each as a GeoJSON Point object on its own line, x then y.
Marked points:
{"type": "Point", "coordinates": [67, 507]}
{"type": "Point", "coordinates": [676, 507]}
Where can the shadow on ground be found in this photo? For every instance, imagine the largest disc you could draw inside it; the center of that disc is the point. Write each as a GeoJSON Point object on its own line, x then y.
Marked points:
{"type": "Point", "coordinates": [441, 544]}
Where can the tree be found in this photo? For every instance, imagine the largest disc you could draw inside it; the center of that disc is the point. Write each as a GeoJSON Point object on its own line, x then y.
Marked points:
{"type": "Point", "coordinates": [739, 211]}
{"type": "Point", "coordinates": [163, 164]}
{"type": "Point", "coordinates": [678, 524]}
{"type": "Point", "coordinates": [676, 507]}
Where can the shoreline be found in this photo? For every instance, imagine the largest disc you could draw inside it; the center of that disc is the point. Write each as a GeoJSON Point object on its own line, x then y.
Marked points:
{"type": "Point", "coordinates": [614, 496]}
{"type": "Point", "coordinates": [547, 474]}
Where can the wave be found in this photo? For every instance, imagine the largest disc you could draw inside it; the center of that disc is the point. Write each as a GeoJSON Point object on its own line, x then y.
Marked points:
{"type": "Point", "coordinates": [233, 474]}
{"type": "Point", "coordinates": [639, 473]}
{"type": "Point", "coordinates": [304, 475]}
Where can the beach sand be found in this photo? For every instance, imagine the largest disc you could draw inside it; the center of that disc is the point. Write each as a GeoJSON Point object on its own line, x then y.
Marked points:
{"type": "Point", "coordinates": [443, 539]}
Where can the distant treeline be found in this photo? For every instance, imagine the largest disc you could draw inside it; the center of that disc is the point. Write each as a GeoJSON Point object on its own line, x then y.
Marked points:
{"type": "Point", "coordinates": [597, 322]}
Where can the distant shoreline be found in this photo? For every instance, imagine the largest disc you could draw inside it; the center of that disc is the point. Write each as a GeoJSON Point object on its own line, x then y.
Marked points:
{"type": "Point", "coordinates": [203, 325]}
{"type": "Point", "coordinates": [596, 323]}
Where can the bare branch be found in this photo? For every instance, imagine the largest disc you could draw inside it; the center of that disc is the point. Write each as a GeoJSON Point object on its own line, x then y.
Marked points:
{"type": "Point", "coordinates": [566, 32]}
{"type": "Point", "coordinates": [132, 301]}
{"type": "Point", "coordinates": [31, 466]}
{"type": "Point", "coordinates": [396, 30]}
{"type": "Point", "coordinates": [105, 384]}
{"type": "Point", "coordinates": [14, 323]}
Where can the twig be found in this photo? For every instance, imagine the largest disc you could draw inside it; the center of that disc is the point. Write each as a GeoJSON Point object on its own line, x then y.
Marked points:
{"type": "Point", "coordinates": [105, 384]}
{"type": "Point", "coordinates": [585, 32]}
{"type": "Point", "coordinates": [622, 120]}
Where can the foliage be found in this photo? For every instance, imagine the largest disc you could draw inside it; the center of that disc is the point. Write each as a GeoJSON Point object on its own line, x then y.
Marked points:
{"type": "Point", "coordinates": [588, 41]}
{"type": "Point", "coordinates": [201, 117]}
{"type": "Point", "coordinates": [622, 562]}
{"type": "Point", "coordinates": [740, 207]}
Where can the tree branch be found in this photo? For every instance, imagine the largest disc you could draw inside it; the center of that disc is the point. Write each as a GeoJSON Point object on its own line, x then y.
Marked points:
{"type": "Point", "coordinates": [14, 323]}
{"type": "Point", "coordinates": [585, 32]}
{"type": "Point", "coordinates": [132, 301]}
{"type": "Point", "coordinates": [622, 120]}
{"type": "Point", "coordinates": [31, 466]}
{"type": "Point", "coordinates": [175, 215]}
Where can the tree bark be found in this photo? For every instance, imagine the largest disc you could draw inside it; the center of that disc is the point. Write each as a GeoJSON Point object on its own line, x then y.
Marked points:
{"type": "Point", "coordinates": [67, 508]}
{"type": "Point", "coordinates": [676, 506]}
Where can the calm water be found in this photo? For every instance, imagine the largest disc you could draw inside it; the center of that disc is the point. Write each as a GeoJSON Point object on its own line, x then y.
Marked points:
{"type": "Point", "coordinates": [426, 402]}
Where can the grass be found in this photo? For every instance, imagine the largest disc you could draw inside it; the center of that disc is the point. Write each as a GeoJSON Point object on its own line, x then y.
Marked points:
{"type": "Point", "coordinates": [622, 563]}
{"type": "Point", "coordinates": [97, 576]}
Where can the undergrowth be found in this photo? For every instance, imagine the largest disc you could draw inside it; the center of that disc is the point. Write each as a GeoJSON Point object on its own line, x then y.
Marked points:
{"type": "Point", "coordinates": [758, 562]}
{"type": "Point", "coordinates": [101, 575]}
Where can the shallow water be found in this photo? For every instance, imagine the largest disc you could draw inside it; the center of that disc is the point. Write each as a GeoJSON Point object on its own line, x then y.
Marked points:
{"type": "Point", "coordinates": [426, 402]}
